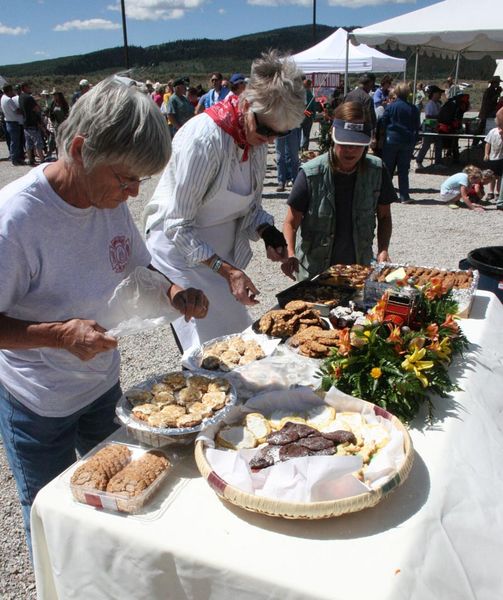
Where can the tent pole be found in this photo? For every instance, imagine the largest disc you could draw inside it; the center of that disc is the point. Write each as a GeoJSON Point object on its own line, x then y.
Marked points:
{"type": "Point", "coordinates": [457, 68]}
{"type": "Point", "coordinates": [415, 73]}
{"type": "Point", "coordinates": [347, 66]}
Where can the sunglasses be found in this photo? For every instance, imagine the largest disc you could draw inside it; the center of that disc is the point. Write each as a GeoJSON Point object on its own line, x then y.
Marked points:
{"type": "Point", "coordinates": [266, 131]}
{"type": "Point", "coordinates": [213, 80]}
{"type": "Point", "coordinates": [128, 185]}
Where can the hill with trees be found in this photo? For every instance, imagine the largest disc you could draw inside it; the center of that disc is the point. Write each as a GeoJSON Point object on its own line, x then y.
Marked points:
{"type": "Point", "coordinates": [198, 57]}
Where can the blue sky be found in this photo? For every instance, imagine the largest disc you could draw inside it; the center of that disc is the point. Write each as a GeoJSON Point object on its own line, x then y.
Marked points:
{"type": "Point", "coordinates": [39, 29]}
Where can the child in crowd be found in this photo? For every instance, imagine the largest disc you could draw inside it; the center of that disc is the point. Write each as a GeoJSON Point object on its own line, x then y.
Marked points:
{"type": "Point", "coordinates": [476, 191]}
{"type": "Point", "coordinates": [454, 190]}
{"type": "Point", "coordinates": [493, 154]}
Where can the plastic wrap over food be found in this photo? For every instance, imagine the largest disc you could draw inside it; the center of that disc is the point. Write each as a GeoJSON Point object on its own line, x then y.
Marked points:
{"type": "Point", "coordinates": [88, 487]}
{"type": "Point", "coordinates": [193, 357]}
{"type": "Point", "coordinates": [282, 370]}
{"type": "Point", "coordinates": [375, 289]}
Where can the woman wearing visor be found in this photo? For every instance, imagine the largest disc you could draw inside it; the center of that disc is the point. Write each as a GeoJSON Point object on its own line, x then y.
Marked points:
{"type": "Point", "coordinates": [208, 204]}
{"type": "Point", "coordinates": [336, 200]}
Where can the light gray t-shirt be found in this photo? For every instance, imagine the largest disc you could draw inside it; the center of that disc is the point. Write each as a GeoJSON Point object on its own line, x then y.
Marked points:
{"type": "Point", "coordinates": [59, 262]}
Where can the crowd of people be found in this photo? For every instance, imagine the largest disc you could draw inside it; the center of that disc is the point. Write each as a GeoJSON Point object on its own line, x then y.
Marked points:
{"type": "Point", "coordinates": [67, 238]}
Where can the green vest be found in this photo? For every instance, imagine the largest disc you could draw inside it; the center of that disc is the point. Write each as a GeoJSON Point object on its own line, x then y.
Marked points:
{"type": "Point", "coordinates": [316, 241]}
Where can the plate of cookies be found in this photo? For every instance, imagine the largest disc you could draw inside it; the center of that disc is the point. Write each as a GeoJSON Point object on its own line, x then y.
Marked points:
{"type": "Point", "coordinates": [314, 342]}
{"type": "Point", "coordinates": [296, 316]}
{"type": "Point", "coordinates": [119, 477]}
{"type": "Point", "coordinates": [172, 408]}
{"type": "Point", "coordinates": [229, 352]}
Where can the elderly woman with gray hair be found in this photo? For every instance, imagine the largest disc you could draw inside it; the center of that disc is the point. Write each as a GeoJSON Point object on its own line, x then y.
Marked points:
{"type": "Point", "coordinates": [67, 240]}
{"type": "Point", "coordinates": [208, 204]}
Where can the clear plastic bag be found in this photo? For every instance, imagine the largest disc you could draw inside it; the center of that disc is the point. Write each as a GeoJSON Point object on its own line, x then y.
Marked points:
{"type": "Point", "coordinates": [139, 303]}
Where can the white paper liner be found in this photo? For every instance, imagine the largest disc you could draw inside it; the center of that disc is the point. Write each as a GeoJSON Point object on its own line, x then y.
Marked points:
{"type": "Point", "coordinates": [305, 479]}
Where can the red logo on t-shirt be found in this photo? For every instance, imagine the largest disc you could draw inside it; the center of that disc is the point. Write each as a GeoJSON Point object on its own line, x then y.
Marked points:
{"type": "Point", "coordinates": [119, 252]}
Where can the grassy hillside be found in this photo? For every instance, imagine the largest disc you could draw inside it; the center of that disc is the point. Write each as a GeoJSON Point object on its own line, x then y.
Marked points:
{"type": "Point", "coordinates": [198, 57]}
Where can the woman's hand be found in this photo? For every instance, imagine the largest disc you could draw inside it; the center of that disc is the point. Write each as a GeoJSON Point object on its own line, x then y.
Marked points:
{"type": "Point", "coordinates": [290, 266]}
{"type": "Point", "coordinates": [84, 338]}
{"type": "Point", "coordinates": [192, 303]}
{"type": "Point", "coordinates": [277, 254]}
{"type": "Point", "coordinates": [241, 286]}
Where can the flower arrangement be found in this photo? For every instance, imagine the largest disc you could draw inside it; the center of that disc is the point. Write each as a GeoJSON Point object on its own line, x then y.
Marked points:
{"type": "Point", "coordinates": [398, 367]}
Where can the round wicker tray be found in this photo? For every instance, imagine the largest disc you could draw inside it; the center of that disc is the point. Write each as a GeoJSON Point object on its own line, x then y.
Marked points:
{"type": "Point", "coordinates": [312, 510]}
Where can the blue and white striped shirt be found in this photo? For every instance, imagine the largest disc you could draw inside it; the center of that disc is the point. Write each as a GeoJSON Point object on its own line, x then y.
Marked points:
{"type": "Point", "coordinates": [201, 164]}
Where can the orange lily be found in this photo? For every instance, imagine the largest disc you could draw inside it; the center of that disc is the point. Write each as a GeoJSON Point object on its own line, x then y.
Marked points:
{"type": "Point", "coordinates": [434, 289]}
{"type": "Point", "coordinates": [376, 314]}
{"type": "Point", "coordinates": [344, 345]}
{"type": "Point", "coordinates": [449, 323]}
{"type": "Point", "coordinates": [432, 331]}
{"type": "Point", "coordinates": [395, 334]}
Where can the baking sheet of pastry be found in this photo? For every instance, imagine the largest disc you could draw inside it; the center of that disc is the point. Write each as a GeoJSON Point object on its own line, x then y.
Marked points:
{"type": "Point", "coordinates": [374, 289]}
{"type": "Point", "coordinates": [317, 291]}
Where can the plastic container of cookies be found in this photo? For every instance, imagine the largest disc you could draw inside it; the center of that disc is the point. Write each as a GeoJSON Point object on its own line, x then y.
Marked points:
{"type": "Point", "coordinates": [124, 472]}
{"type": "Point", "coordinates": [160, 435]}
{"type": "Point", "coordinates": [374, 288]}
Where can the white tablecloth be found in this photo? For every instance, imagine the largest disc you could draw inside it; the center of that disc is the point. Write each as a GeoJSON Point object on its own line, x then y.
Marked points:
{"type": "Point", "coordinates": [438, 536]}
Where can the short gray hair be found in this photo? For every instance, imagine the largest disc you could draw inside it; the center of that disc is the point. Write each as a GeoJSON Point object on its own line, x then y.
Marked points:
{"type": "Point", "coordinates": [276, 90]}
{"type": "Point", "coordinates": [119, 125]}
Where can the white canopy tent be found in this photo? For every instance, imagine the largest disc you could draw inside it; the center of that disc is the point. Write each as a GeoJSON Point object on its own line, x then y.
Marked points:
{"type": "Point", "coordinates": [499, 69]}
{"type": "Point", "coordinates": [450, 28]}
{"type": "Point", "coordinates": [335, 54]}
{"type": "Point", "coordinates": [329, 56]}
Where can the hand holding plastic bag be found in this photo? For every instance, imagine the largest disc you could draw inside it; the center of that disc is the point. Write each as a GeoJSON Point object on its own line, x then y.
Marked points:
{"type": "Point", "coordinates": [139, 303]}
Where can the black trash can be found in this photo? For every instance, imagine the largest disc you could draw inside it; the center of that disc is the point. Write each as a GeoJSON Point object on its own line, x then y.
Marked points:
{"type": "Point", "coordinates": [489, 262]}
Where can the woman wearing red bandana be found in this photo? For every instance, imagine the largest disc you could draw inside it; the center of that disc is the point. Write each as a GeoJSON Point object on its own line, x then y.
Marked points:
{"type": "Point", "coordinates": [208, 203]}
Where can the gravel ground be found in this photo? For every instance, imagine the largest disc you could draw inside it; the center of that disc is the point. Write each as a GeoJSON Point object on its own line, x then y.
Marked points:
{"type": "Point", "coordinates": [425, 233]}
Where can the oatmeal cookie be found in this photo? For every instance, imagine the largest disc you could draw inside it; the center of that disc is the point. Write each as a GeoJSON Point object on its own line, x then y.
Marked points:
{"type": "Point", "coordinates": [215, 400]}
{"type": "Point", "coordinates": [138, 475]}
{"type": "Point", "coordinates": [175, 381]}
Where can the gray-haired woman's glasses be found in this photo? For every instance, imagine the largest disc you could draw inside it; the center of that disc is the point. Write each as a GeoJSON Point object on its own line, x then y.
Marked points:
{"type": "Point", "coordinates": [127, 183]}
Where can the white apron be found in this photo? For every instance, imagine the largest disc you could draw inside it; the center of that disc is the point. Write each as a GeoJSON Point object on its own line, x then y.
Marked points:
{"type": "Point", "coordinates": [216, 224]}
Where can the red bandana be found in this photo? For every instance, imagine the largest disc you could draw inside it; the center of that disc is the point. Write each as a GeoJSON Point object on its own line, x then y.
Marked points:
{"type": "Point", "coordinates": [228, 116]}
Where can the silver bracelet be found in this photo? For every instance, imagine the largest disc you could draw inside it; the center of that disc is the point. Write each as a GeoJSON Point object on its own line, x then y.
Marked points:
{"type": "Point", "coordinates": [217, 263]}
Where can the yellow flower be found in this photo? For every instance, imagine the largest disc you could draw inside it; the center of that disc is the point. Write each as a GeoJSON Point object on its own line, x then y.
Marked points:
{"type": "Point", "coordinates": [414, 362]}
{"type": "Point", "coordinates": [376, 372]}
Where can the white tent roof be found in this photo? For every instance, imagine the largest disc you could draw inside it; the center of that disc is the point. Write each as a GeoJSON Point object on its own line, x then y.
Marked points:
{"type": "Point", "coordinates": [473, 28]}
{"type": "Point", "coordinates": [499, 68]}
{"type": "Point", "coordinates": [329, 56]}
